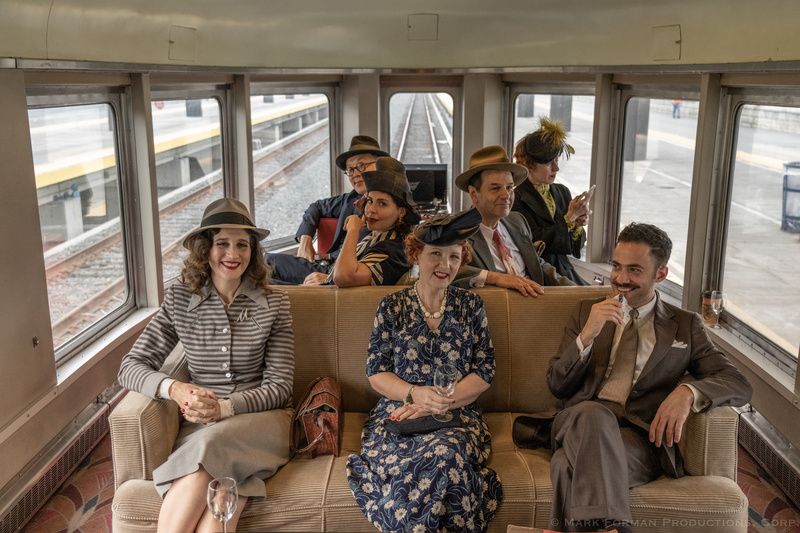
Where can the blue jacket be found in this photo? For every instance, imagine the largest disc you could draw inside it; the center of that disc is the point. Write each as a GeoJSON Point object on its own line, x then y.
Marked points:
{"type": "Point", "coordinates": [339, 207]}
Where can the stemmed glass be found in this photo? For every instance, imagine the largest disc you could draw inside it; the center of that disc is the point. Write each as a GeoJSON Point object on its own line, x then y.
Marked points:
{"type": "Point", "coordinates": [444, 379]}
{"type": "Point", "coordinates": [222, 499]}
{"type": "Point", "coordinates": [717, 305]}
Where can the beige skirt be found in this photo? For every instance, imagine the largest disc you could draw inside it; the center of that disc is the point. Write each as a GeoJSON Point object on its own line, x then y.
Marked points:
{"type": "Point", "coordinates": [249, 448]}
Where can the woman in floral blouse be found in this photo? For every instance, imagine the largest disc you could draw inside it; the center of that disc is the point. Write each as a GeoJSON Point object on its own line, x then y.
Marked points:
{"type": "Point", "coordinates": [434, 481]}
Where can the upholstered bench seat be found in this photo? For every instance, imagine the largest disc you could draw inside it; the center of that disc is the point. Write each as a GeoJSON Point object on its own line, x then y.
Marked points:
{"type": "Point", "coordinates": [312, 494]}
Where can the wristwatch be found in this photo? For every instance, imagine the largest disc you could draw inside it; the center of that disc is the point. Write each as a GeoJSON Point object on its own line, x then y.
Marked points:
{"type": "Point", "coordinates": [409, 398]}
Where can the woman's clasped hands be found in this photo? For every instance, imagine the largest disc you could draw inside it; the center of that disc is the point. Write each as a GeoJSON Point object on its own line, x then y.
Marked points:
{"type": "Point", "coordinates": [198, 404]}
{"type": "Point", "coordinates": [426, 402]}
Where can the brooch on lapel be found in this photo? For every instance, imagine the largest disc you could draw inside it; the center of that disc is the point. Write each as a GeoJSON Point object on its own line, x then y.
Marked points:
{"type": "Point", "coordinates": [244, 317]}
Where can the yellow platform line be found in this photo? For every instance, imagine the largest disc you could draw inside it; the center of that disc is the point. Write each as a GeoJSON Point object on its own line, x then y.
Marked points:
{"type": "Point", "coordinates": [106, 159]}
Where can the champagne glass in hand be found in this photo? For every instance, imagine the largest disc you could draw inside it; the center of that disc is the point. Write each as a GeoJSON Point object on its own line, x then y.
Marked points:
{"type": "Point", "coordinates": [222, 499]}
{"type": "Point", "coordinates": [717, 305]}
{"type": "Point", "coordinates": [444, 380]}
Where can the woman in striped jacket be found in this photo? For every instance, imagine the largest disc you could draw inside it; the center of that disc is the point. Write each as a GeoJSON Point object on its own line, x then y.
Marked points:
{"type": "Point", "coordinates": [237, 336]}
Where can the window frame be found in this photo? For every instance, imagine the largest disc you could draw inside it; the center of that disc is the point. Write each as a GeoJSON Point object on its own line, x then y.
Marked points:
{"type": "Point", "coordinates": [576, 88]}
{"type": "Point", "coordinates": [514, 90]}
{"type": "Point", "coordinates": [222, 94]}
{"type": "Point", "coordinates": [734, 99]}
{"type": "Point", "coordinates": [117, 98]}
{"type": "Point", "coordinates": [331, 92]}
{"type": "Point", "coordinates": [624, 94]}
{"type": "Point", "coordinates": [452, 85]}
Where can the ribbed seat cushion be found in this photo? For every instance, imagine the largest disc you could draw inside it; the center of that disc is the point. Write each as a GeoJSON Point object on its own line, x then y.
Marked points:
{"type": "Point", "coordinates": [691, 503]}
{"type": "Point", "coordinates": [313, 495]}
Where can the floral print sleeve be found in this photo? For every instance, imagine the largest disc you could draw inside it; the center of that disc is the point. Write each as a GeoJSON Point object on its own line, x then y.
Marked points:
{"type": "Point", "coordinates": [482, 350]}
{"type": "Point", "coordinates": [380, 357]}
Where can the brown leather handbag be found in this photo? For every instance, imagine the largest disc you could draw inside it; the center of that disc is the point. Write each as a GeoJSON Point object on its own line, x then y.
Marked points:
{"type": "Point", "coordinates": [315, 429]}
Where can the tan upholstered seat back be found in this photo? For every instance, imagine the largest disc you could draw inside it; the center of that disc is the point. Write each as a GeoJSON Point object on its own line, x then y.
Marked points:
{"type": "Point", "coordinates": [332, 329]}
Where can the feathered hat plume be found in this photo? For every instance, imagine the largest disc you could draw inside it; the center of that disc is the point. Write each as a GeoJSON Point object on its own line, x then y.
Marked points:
{"type": "Point", "coordinates": [548, 142]}
{"type": "Point", "coordinates": [552, 134]}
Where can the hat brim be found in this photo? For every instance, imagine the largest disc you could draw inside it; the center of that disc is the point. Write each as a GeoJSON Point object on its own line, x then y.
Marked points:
{"type": "Point", "coordinates": [518, 172]}
{"type": "Point", "coordinates": [261, 233]}
{"type": "Point", "coordinates": [341, 160]}
{"type": "Point", "coordinates": [372, 174]}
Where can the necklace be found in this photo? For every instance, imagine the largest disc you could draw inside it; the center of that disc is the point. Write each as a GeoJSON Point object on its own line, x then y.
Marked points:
{"type": "Point", "coordinates": [428, 315]}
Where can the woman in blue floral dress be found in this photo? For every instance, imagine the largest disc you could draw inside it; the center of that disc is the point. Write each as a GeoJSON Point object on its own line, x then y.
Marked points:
{"type": "Point", "coordinates": [436, 481]}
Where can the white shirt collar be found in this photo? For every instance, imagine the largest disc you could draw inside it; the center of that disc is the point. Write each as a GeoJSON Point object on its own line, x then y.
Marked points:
{"type": "Point", "coordinates": [646, 309]}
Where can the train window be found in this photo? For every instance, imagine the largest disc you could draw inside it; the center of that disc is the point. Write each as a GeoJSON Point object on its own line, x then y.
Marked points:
{"type": "Point", "coordinates": [78, 187]}
{"type": "Point", "coordinates": [576, 113]}
{"type": "Point", "coordinates": [658, 157]}
{"type": "Point", "coordinates": [291, 158]}
{"type": "Point", "coordinates": [188, 152]}
{"type": "Point", "coordinates": [421, 128]}
{"type": "Point", "coordinates": [762, 251]}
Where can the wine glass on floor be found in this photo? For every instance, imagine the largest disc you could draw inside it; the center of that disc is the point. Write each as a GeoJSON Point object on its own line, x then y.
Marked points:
{"type": "Point", "coordinates": [444, 379]}
{"type": "Point", "coordinates": [222, 499]}
{"type": "Point", "coordinates": [717, 305]}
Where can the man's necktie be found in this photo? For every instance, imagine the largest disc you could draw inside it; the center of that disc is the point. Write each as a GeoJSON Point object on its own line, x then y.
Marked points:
{"type": "Point", "coordinates": [504, 253]}
{"type": "Point", "coordinates": [619, 382]}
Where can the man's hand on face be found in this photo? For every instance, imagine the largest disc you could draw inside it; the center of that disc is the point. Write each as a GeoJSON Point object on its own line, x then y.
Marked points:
{"type": "Point", "coordinates": [609, 310]}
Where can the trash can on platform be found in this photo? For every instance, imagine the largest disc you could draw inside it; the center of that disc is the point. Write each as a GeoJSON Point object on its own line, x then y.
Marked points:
{"type": "Point", "coordinates": [790, 213]}
{"type": "Point", "coordinates": [194, 108]}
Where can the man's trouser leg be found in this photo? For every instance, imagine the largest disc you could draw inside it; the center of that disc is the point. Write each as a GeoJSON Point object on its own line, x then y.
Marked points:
{"type": "Point", "coordinates": [293, 269]}
{"type": "Point", "coordinates": [594, 465]}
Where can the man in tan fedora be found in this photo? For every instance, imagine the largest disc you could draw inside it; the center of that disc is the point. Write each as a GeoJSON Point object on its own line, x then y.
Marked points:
{"type": "Point", "coordinates": [503, 249]}
{"type": "Point", "coordinates": [359, 158]}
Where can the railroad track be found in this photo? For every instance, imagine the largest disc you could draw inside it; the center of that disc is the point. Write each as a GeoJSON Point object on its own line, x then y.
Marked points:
{"type": "Point", "coordinates": [103, 259]}
{"type": "Point", "coordinates": [73, 277]}
{"type": "Point", "coordinates": [425, 137]}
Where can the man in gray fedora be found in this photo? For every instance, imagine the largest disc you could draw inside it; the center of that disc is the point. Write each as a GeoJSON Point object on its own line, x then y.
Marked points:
{"type": "Point", "coordinates": [359, 158]}
{"type": "Point", "coordinates": [502, 251]}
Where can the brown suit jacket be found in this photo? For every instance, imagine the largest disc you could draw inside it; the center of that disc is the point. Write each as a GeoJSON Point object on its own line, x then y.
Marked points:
{"type": "Point", "coordinates": [683, 353]}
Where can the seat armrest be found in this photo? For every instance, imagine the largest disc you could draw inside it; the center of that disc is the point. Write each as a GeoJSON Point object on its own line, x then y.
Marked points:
{"type": "Point", "coordinates": [143, 433]}
{"type": "Point", "coordinates": [709, 443]}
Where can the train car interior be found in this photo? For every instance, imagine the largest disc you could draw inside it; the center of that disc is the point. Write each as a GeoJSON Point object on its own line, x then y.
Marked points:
{"type": "Point", "coordinates": [122, 120]}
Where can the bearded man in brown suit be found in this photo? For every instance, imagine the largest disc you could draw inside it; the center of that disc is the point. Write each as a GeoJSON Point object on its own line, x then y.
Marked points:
{"type": "Point", "coordinates": [615, 375]}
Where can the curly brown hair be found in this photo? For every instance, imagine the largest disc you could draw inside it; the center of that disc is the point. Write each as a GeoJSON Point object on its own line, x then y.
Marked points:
{"type": "Point", "coordinates": [414, 247]}
{"type": "Point", "coordinates": [196, 272]}
{"type": "Point", "coordinates": [520, 157]}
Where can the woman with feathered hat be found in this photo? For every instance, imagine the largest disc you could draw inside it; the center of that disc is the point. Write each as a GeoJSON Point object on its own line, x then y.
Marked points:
{"type": "Point", "coordinates": [555, 218]}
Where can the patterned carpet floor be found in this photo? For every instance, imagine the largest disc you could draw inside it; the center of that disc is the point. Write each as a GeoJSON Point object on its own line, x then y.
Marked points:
{"type": "Point", "coordinates": [83, 503]}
